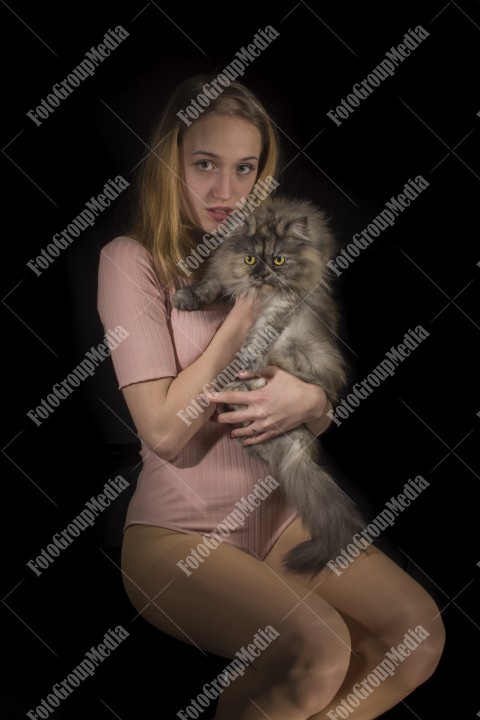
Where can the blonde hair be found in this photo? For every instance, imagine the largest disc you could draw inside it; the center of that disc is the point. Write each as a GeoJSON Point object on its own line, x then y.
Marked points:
{"type": "Point", "coordinates": [162, 221]}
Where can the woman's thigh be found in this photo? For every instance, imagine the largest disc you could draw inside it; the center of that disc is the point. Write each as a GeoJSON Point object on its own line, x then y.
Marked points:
{"type": "Point", "coordinates": [373, 591]}
{"type": "Point", "coordinates": [226, 600]}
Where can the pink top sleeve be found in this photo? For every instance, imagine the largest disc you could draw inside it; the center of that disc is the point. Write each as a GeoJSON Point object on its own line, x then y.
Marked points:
{"type": "Point", "coordinates": [130, 295]}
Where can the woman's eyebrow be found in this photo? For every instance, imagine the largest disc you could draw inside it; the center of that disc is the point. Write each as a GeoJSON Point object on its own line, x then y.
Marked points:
{"type": "Point", "coordinates": [214, 155]}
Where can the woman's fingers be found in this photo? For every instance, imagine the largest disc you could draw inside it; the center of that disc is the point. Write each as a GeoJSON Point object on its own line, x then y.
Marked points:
{"type": "Point", "coordinates": [232, 397]}
{"type": "Point", "coordinates": [260, 437]}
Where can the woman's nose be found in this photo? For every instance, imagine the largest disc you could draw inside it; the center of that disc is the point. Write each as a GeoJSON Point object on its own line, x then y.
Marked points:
{"type": "Point", "coordinates": [222, 186]}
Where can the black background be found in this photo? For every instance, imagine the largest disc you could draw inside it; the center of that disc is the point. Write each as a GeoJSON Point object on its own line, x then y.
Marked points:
{"type": "Point", "coordinates": [423, 271]}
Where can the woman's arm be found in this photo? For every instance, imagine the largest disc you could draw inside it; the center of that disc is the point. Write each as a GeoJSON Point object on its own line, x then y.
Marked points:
{"type": "Point", "coordinates": [158, 406]}
{"type": "Point", "coordinates": [282, 404]}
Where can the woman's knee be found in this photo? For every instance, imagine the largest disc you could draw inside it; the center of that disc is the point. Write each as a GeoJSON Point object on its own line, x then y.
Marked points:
{"type": "Point", "coordinates": [426, 655]}
{"type": "Point", "coordinates": [419, 646]}
{"type": "Point", "coordinates": [317, 659]}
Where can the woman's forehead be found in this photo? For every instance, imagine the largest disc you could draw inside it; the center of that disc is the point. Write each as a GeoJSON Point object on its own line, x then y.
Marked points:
{"type": "Point", "coordinates": [222, 135]}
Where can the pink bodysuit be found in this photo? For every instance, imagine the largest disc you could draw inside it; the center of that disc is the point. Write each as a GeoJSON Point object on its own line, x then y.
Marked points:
{"type": "Point", "coordinates": [198, 489]}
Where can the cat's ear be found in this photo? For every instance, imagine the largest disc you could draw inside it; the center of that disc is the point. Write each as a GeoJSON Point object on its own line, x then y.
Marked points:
{"type": "Point", "coordinates": [298, 227]}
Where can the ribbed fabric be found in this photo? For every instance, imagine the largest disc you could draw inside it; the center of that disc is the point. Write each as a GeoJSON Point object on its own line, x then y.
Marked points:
{"type": "Point", "coordinates": [198, 489]}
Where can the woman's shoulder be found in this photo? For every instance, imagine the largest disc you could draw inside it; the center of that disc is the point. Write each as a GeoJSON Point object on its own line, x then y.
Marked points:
{"type": "Point", "coordinates": [126, 255]}
{"type": "Point", "coordinates": [125, 245]}
{"type": "Point", "coordinates": [125, 258]}
{"type": "Point", "coordinates": [124, 261]}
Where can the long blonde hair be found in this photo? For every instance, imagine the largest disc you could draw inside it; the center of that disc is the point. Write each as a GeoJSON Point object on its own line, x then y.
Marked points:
{"type": "Point", "coordinates": [162, 222]}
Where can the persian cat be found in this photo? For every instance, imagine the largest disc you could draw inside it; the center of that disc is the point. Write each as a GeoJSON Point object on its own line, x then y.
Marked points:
{"type": "Point", "coordinates": [279, 257]}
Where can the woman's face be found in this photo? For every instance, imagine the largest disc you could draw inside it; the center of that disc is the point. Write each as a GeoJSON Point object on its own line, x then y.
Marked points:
{"type": "Point", "coordinates": [220, 165]}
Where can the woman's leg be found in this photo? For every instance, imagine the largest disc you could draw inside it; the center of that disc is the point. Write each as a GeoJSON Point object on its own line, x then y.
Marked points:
{"type": "Point", "coordinates": [221, 606]}
{"type": "Point", "coordinates": [380, 603]}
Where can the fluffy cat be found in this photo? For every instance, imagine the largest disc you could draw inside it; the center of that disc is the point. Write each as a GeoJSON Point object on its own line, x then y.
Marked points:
{"type": "Point", "coordinates": [279, 256]}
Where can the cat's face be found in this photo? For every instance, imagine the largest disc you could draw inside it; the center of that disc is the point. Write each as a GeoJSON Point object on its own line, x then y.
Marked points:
{"type": "Point", "coordinates": [281, 249]}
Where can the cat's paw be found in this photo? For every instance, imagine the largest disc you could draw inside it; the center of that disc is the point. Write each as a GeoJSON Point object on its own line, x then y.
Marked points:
{"type": "Point", "coordinates": [245, 385]}
{"type": "Point", "coordinates": [186, 299]}
{"type": "Point", "coordinates": [236, 385]}
{"type": "Point", "coordinates": [256, 383]}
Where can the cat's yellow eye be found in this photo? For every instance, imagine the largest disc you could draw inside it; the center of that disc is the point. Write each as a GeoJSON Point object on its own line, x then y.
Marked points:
{"type": "Point", "coordinates": [278, 260]}
{"type": "Point", "coordinates": [250, 259]}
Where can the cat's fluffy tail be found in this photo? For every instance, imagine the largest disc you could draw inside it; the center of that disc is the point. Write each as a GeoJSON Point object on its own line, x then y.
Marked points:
{"type": "Point", "coordinates": [326, 511]}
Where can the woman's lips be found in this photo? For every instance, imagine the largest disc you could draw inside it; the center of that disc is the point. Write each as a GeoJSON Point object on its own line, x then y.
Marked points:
{"type": "Point", "coordinates": [219, 213]}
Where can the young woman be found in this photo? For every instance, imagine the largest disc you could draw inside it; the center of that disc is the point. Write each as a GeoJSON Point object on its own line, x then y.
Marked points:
{"type": "Point", "coordinates": [215, 590]}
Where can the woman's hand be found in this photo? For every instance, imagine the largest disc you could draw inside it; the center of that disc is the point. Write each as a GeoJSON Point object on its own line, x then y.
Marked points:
{"type": "Point", "coordinates": [282, 404]}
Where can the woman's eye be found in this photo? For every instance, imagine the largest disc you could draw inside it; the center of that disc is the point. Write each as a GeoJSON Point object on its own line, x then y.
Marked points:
{"type": "Point", "coordinates": [204, 164]}
{"type": "Point", "coordinates": [278, 260]}
{"type": "Point", "coordinates": [250, 259]}
{"type": "Point", "coordinates": [245, 169]}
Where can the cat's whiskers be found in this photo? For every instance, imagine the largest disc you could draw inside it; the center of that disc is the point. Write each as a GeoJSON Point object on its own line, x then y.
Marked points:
{"type": "Point", "coordinates": [287, 290]}
{"type": "Point", "coordinates": [245, 289]}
